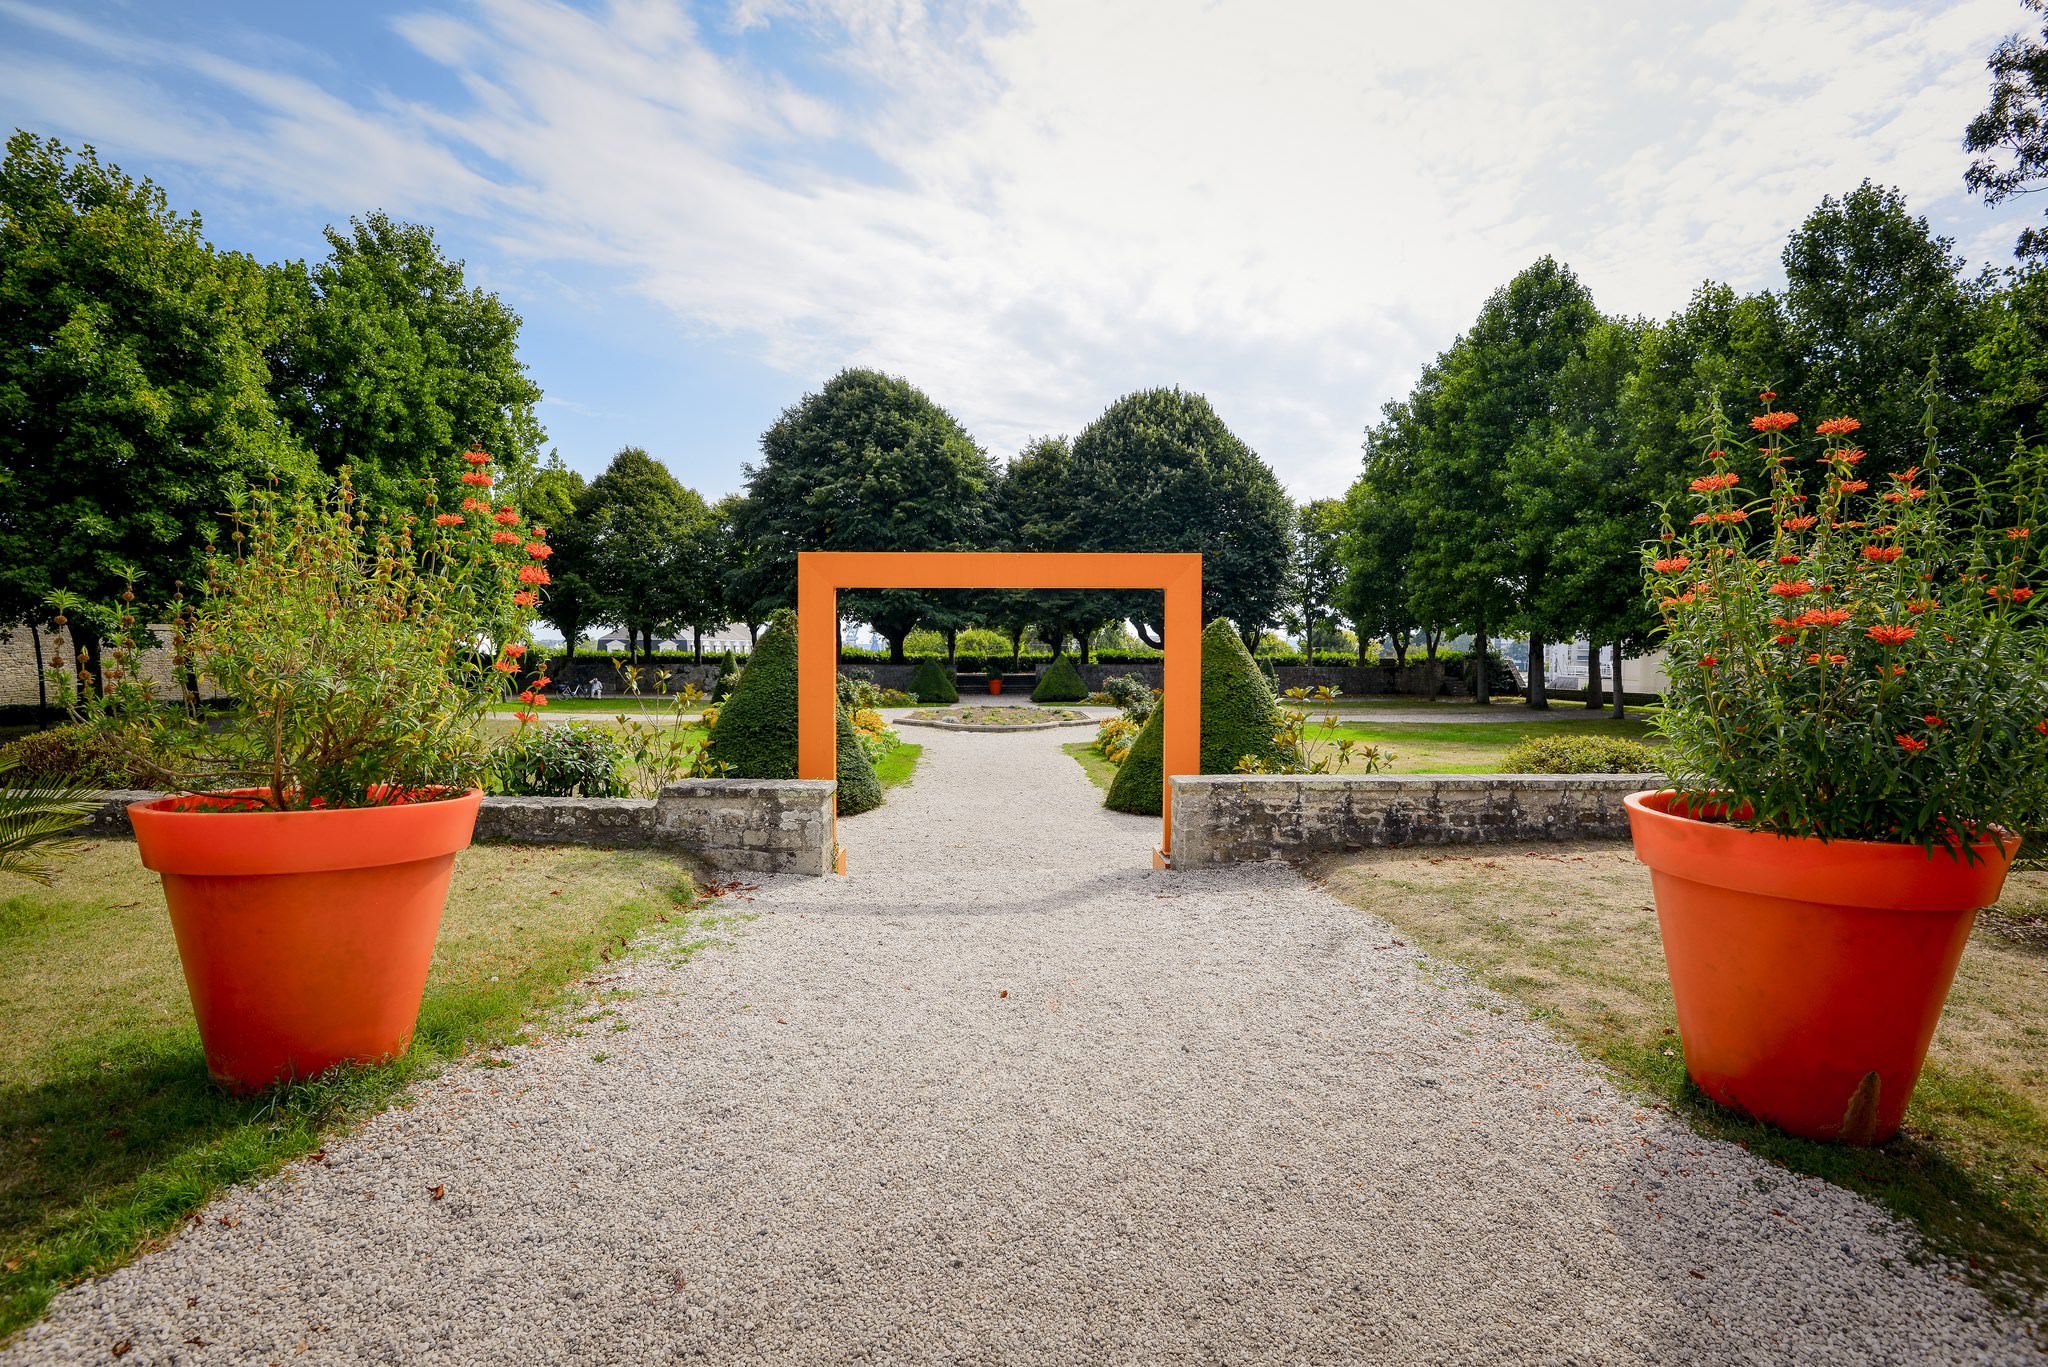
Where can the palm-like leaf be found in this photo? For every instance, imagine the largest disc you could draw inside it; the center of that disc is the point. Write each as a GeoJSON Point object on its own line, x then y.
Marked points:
{"type": "Point", "coordinates": [37, 817]}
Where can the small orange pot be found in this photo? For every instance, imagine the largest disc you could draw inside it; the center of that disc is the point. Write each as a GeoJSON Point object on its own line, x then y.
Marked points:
{"type": "Point", "coordinates": [1808, 974]}
{"type": "Point", "coordinates": [305, 936]}
{"type": "Point", "coordinates": [995, 686]}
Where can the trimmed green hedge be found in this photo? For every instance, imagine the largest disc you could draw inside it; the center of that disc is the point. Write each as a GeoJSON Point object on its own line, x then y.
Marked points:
{"type": "Point", "coordinates": [1238, 718]}
{"type": "Point", "coordinates": [75, 754]}
{"type": "Point", "coordinates": [1581, 755]}
{"type": "Point", "coordinates": [859, 789]}
{"type": "Point", "coordinates": [1060, 683]}
{"type": "Point", "coordinates": [755, 734]}
{"type": "Point", "coordinates": [930, 684]}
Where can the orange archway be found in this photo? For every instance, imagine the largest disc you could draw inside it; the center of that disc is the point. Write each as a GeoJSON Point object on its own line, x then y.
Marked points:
{"type": "Point", "coordinates": [820, 575]}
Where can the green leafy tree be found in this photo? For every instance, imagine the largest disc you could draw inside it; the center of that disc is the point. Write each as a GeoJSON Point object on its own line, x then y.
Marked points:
{"type": "Point", "coordinates": [1872, 296]}
{"type": "Point", "coordinates": [1379, 534]}
{"type": "Point", "coordinates": [636, 530]}
{"type": "Point", "coordinates": [2010, 356]}
{"type": "Point", "coordinates": [868, 463]}
{"type": "Point", "coordinates": [551, 498]}
{"type": "Point", "coordinates": [2014, 127]}
{"type": "Point", "coordinates": [1470, 562]}
{"type": "Point", "coordinates": [743, 592]}
{"type": "Point", "coordinates": [132, 388]}
{"type": "Point", "coordinates": [392, 364]}
{"type": "Point", "coordinates": [1317, 569]}
{"type": "Point", "coordinates": [1036, 503]}
{"type": "Point", "coordinates": [1159, 471]}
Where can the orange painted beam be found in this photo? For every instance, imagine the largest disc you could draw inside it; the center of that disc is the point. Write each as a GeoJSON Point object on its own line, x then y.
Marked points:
{"type": "Point", "coordinates": [820, 575]}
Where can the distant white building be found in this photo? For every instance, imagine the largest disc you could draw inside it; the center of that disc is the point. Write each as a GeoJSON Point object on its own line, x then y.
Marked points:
{"type": "Point", "coordinates": [1564, 666]}
{"type": "Point", "coordinates": [732, 636]}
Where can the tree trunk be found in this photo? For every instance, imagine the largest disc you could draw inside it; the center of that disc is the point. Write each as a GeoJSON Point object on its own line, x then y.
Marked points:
{"type": "Point", "coordinates": [952, 645]}
{"type": "Point", "coordinates": [1593, 675]}
{"type": "Point", "coordinates": [1431, 640]}
{"type": "Point", "coordinates": [697, 644]}
{"type": "Point", "coordinates": [1088, 647]}
{"type": "Point", "coordinates": [753, 636]}
{"type": "Point", "coordinates": [1156, 640]}
{"type": "Point", "coordinates": [896, 656]}
{"type": "Point", "coordinates": [1400, 643]}
{"type": "Point", "coordinates": [1539, 699]}
{"type": "Point", "coordinates": [1620, 703]}
{"type": "Point", "coordinates": [35, 635]}
{"type": "Point", "coordinates": [1016, 647]}
{"type": "Point", "coordinates": [1482, 686]}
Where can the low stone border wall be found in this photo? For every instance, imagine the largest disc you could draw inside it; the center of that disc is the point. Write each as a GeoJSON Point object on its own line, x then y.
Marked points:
{"type": "Point", "coordinates": [727, 825]}
{"type": "Point", "coordinates": [1238, 819]}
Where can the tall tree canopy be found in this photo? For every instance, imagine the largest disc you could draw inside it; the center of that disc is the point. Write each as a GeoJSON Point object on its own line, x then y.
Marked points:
{"type": "Point", "coordinates": [637, 544]}
{"type": "Point", "coordinates": [1475, 474]}
{"type": "Point", "coordinates": [1873, 297]}
{"type": "Point", "coordinates": [1159, 471]}
{"type": "Point", "coordinates": [868, 463]}
{"type": "Point", "coordinates": [132, 385]}
{"type": "Point", "coordinates": [2014, 127]}
{"type": "Point", "coordinates": [551, 498]}
{"type": "Point", "coordinates": [391, 364]}
{"type": "Point", "coordinates": [1316, 571]}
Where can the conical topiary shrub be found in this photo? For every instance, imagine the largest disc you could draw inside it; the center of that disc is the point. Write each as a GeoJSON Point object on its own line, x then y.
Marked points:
{"type": "Point", "coordinates": [728, 675]}
{"type": "Point", "coordinates": [1238, 719]}
{"type": "Point", "coordinates": [1239, 715]}
{"type": "Point", "coordinates": [930, 684]}
{"type": "Point", "coordinates": [1136, 785]}
{"type": "Point", "coordinates": [859, 789]}
{"type": "Point", "coordinates": [1269, 674]}
{"type": "Point", "coordinates": [755, 735]}
{"type": "Point", "coordinates": [1061, 682]}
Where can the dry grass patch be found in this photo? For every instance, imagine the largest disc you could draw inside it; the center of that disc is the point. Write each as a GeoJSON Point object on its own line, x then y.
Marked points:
{"type": "Point", "coordinates": [1570, 931]}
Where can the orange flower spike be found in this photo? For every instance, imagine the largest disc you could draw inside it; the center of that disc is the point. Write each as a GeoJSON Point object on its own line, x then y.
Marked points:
{"type": "Point", "coordinates": [1675, 565]}
{"type": "Point", "coordinates": [1801, 523]}
{"type": "Point", "coordinates": [478, 478]}
{"type": "Point", "coordinates": [1932, 720]}
{"type": "Point", "coordinates": [2018, 533]}
{"type": "Point", "coordinates": [1837, 427]}
{"type": "Point", "coordinates": [1883, 554]}
{"type": "Point", "coordinates": [1797, 588]}
{"type": "Point", "coordinates": [532, 574]}
{"type": "Point", "coordinates": [476, 457]}
{"type": "Point", "coordinates": [1891, 635]}
{"type": "Point", "coordinates": [1774, 422]}
{"type": "Point", "coordinates": [1709, 661]}
{"type": "Point", "coordinates": [448, 520]}
{"type": "Point", "coordinates": [504, 538]}
{"type": "Point", "coordinates": [1707, 484]}
{"type": "Point", "coordinates": [538, 550]}
{"type": "Point", "coordinates": [526, 598]}
{"type": "Point", "coordinates": [1909, 745]}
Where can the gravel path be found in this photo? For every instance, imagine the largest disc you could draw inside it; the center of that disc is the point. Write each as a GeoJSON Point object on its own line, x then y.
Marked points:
{"type": "Point", "coordinates": [1009, 1096]}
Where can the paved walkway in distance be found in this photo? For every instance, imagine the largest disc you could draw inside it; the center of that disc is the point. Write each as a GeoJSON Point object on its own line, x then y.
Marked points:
{"type": "Point", "coordinates": [1007, 1095]}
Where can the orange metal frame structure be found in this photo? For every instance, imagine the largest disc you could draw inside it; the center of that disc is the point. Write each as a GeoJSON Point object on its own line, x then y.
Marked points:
{"type": "Point", "coordinates": [820, 575]}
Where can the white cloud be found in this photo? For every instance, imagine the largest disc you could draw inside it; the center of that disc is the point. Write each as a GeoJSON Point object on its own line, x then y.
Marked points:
{"type": "Point", "coordinates": [1028, 212]}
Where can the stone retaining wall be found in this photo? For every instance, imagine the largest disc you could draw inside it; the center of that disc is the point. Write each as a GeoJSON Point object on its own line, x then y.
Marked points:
{"type": "Point", "coordinates": [1237, 819]}
{"type": "Point", "coordinates": [726, 825]}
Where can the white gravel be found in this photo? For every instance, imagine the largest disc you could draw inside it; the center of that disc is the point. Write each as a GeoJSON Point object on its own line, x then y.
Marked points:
{"type": "Point", "coordinates": [1217, 1118]}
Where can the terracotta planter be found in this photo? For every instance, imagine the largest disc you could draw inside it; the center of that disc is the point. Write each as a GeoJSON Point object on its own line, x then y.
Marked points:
{"type": "Point", "coordinates": [305, 936]}
{"type": "Point", "coordinates": [995, 686]}
{"type": "Point", "coordinates": [1808, 975]}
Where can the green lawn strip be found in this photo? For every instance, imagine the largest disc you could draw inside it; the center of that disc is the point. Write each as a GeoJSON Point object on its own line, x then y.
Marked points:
{"type": "Point", "coordinates": [1473, 747]}
{"type": "Point", "coordinates": [1099, 770]}
{"type": "Point", "coordinates": [1970, 1169]}
{"type": "Point", "coordinates": [897, 765]}
{"type": "Point", "coordinates": [110, 1133]}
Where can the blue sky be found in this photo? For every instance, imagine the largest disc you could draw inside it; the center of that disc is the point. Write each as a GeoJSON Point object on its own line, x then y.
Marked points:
{"type": "Point", "coordinates": [702, 210]}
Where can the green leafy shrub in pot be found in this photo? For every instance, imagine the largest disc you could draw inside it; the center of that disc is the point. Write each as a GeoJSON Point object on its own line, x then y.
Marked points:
{"type": "Point", "coordinates": [1581, 755]}
{"type": "Point", "coordinates": [931, 685]}
{"type": "Point", "coordinates": [347, 643]}
{"type": "Point", "coordinates": [560, 761]}
{"type": "Point", "coordinates": [1061, 682]}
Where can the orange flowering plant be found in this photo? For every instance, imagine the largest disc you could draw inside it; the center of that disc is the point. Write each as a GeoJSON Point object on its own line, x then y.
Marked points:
{"type": "Point", "coordinates": [360, 653]}
{"type": "Point", "coordinates": [1855, 653]}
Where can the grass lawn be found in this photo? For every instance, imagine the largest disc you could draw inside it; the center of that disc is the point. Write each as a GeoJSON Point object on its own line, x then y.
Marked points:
{"type": "Point", "coordinates": [1473, 747]}
{"type": "Point", "coordinates": [898, 764]}
{"type": "Point", "coordinates": [110, 1133]}
{"type": "Point", "coordinates": [1100, 771]}
{"type": "Point", "coordinates": [1570, 932]}
{"type": "Point", "coordinates": [1426, 747]}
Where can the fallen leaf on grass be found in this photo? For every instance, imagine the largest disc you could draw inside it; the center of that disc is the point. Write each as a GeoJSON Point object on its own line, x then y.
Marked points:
{"type": "Point", "coordinates": [1697, 1273]}
{"type": "Point", "coordinates": [191, 1302]}
{"type": "Point", "coordinates": [1006, 992]}
{"type": "Point", "coordinates": [123, 1348]}
{"type": "Point", "coordinates": [437, 1192]}
{"type": "Point", "coordinates": [198, 1342]}
{"type": "Point", "coordinates": [317, 1156]}
{"type": "Point", "coordinates": [230, 1223]}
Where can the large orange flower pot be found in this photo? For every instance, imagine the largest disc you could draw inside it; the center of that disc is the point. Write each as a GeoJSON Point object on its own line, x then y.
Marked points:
{"type": "Point", "coordinates": [995, 686]}
{"type": "Point", "coordinates": [305, 936]}
{"type": "Point", "coordinates": [1808, 974]}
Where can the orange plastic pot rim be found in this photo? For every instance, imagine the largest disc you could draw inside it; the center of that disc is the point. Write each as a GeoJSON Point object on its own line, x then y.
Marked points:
{"type": "Point", "coordinates": [1870, 873]}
